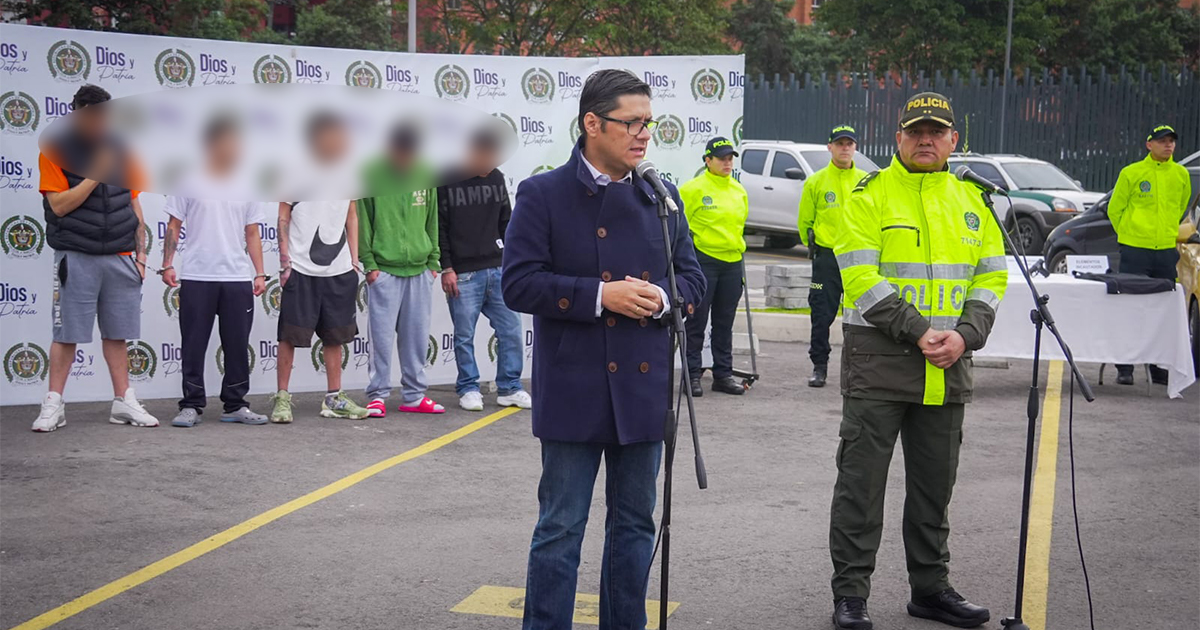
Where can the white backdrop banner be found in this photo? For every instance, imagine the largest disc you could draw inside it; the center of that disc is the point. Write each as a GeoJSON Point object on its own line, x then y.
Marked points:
{"type": "Point", "coordinates": [694, 98]}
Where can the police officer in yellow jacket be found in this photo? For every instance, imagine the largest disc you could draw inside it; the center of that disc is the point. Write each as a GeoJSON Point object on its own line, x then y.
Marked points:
{"type": "Point", "coordinates": [825, 195]}
{"type": "Point", "coordinates": [923, 268]}
{"type": "Point", "coordinates": [1147, 204]}
{"type": "Point", "coordinates": [716, 206]}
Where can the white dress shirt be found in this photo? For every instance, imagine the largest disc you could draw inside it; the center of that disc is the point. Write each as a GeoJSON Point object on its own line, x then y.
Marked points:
{"type": "Point", "coordinates": [602, 179]}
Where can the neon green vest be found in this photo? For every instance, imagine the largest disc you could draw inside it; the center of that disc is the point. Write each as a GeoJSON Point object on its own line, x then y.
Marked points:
{"type": "Point", "coordinates": [716, 209]}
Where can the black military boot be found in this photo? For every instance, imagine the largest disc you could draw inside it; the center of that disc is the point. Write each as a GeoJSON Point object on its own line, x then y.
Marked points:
{"type": "Point", "coordinates": [1158, 375]}
{"type": "Point", "coordinates": [850, 613]}
{"type": "Point", "coordinates": [949, 608]}
{"type": "Point", "coordinates": [728, 386]}
{"type": "Point", "coordinates": [697, 390]}
{"type": "Point", "coordinates": [820, 372]}
{"type": "Point", "coordinates": [1124, 375]}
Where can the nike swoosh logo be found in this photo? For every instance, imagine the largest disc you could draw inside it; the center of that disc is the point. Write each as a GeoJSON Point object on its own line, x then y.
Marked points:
{"type": "Point", "coordinates": [323, 254]}
{"type": "Point", "coordinates": [249, 309]}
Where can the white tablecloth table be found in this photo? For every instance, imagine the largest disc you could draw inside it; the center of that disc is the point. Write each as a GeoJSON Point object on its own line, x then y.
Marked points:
{"type": "Point", "coordinates": [1098, 327]}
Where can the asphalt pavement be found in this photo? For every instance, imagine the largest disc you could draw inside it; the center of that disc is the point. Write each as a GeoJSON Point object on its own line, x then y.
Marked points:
{"type": "Point", "coordinates": [93, 503]}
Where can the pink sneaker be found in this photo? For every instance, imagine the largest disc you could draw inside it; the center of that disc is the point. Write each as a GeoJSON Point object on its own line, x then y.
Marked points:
{"type": "Point", "coordinates": [377, 409]}
{"type": "Point", "coordinates": [425, 406]}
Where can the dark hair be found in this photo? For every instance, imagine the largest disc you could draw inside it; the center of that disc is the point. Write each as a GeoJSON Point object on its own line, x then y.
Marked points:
{"type": "Point", "coordinates": [320, 122]}
{"type": "Point", "coordinates": [484, 140]}
{"type": "Point", "coordinates": [603, 89]}
{"type": "Point", "coordinates": [404, 137]}
{"type": "Point", "coordinates": [218, 127]}
{"type": "Point", "coordinates": [89, 95]}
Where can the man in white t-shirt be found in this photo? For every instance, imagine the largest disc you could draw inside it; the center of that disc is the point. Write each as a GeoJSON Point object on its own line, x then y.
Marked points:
{"type": "Point", "coordinates": [220, 272]}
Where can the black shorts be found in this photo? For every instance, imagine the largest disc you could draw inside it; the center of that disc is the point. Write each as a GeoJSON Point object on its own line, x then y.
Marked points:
{"type": "Point", "coordinates": [321, 305]}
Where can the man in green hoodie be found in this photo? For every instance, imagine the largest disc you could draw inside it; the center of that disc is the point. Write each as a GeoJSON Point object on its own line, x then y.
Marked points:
{"type": "Point", "coordinates": [1147, 205]}
{"type": "Point", "coordinates": [716, 207]}
{"type": "Point", "coordinates": [398, 248]}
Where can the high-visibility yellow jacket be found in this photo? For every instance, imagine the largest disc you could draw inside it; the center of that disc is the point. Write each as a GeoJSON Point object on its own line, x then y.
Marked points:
{"type": "Point", "coordinates": [916, 250]}
{"type": "Point", "coordinates": [825, 195]}
{"type": "Point", "coordinates": [716, 209]}
{"type": "Point", "coordinates": [1148, 202]}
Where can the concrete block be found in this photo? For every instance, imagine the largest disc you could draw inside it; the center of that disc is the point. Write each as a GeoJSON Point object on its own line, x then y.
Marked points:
{"type": "Point", "coordinates": [778, 302]}
{"type": "Point", "coordinates": [788, 282]}
{"type": "Point", "coordinates": [785, 327]}
{"type": "Point", "coordinates": [787, 292]}
{"type": "Point", "coordinates": [789, 271]}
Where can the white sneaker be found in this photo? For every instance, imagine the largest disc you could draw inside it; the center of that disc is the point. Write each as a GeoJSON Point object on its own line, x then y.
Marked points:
{"type": "Point", "coordinates": [471, 401]}
{"type": "Point", "coordinates": [128, 410]}
{"type": "Point", "coordinates": [53, 415]}
{"type": "Point", "coordinates": [519, 398]}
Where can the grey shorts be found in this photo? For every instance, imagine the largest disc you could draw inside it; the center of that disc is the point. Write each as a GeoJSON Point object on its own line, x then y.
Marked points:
{"type": "Point", "coordinates": [88, 288]}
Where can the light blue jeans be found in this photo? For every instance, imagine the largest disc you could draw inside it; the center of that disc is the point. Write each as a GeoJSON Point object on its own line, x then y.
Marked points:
{"type": "Point", "coordinates": [398, 313]}
{"type": "Point", "coordinates": [479, 292]}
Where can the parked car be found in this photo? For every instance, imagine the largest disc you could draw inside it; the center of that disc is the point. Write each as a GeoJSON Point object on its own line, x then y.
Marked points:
{"type": "Point", "coordinates": [1192, 164]}
{"type": "Point", "coordinates": [1043, 197]}
{"type": "Point", "coordinates": [773, 173]}
{"type": "Point", "coordinates": [1189, 276]}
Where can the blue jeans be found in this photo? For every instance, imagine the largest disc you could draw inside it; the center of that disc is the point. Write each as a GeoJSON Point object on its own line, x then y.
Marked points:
{"type": "Point", "coordinates": [564, 495]}
{"type": "Point", "coordinates": [479, 292]}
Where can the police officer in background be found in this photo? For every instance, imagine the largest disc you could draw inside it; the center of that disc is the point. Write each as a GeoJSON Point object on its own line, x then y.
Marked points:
{"type": "Point", "coordinates": [716, 206]}
{"type": "Point", "coordinates": [1147, 204]}
{"type": "Point", "coordinates": [825, 195]}
{"type": "Point", "coordinates": [923, 268]}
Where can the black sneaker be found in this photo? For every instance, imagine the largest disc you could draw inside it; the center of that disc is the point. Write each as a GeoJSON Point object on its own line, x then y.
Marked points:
{"type": "Point", "coordinates": [1158, 376]}
{"type": "Point", "coordinates": [949, 608]}
{"type": "Point", "coordinates": [820, 373]}
{"type": "Point", "coordinates": [697, 390]}
{"type": "Point", "coordinates": [728, 386]}
{"type": "Point", "coordinates": [1124, 378]}
{"type": "Point", "coordinates": [850, 613]}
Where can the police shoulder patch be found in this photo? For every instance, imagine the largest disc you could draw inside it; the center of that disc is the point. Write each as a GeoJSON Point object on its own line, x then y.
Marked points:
{"type": "Point", "coordinates": [862, 183]}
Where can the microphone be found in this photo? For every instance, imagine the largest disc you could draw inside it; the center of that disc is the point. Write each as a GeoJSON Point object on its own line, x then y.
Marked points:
{"type": "Point", "coordinates": [645, 169]}
{"type": "Point", "coordinates": [964, 173]}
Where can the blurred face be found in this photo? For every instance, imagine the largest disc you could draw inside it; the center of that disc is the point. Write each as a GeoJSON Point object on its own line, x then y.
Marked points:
{"type": "Point", "coordinates": [90, 121]}
{"type": "Point", "coordinates": [482, 161]}
{"type": "Point", "coordinates": [842, 152]}
{"type": "Point", "coordinates": [1162, 149]}
{"type": "Point", "coordinates": [223, 152]}
{"type": "Point", "coordinates": [610, 146]}
{"type": "Point", "coordinates": [926, 145]}
{"type": "Point", "coordinates": [329, 143]}
{"type": "Point", "coordinates": [722, 166]}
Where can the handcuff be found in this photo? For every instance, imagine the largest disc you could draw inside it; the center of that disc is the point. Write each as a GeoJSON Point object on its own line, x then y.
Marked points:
{"type": "Point", "coordinates": [264, 276]}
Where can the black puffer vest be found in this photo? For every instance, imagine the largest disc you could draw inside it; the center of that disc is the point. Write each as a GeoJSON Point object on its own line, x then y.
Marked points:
{"type": "Point", "coordinates": [105, 222]}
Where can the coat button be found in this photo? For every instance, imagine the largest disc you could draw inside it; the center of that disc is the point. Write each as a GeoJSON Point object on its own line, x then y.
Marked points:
{"type": "Point", "coordinates": [601, 232]}
{"type": "Point", "coordinates": [612, 366]}
{"type": "Point", "coordinates": [646, 276]}
{"type": "Point", "coordinates": [691, 308]}
{"type": "Point", "coordinates": [564, 304]}
{"type": "Point", "coordinates": [590, 193]}
{"type": "Point", "coordinates": [611, 321]}
{"type": "Point", "coordinates": [644, 367]}
{"type": "Point", "coordinates": [606, 276]}
{"type": "Point", "coordinates": [643, 321]}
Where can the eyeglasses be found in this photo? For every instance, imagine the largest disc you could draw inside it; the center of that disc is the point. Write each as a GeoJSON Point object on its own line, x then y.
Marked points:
{"type": "Point", "coordinates": [634, 127]}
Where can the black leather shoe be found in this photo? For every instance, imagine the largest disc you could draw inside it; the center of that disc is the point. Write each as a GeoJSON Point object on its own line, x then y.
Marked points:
{"type": "Point", "coordinates": [1158, 376]}
{"type": "Point", "coordinates": [949, 608]}
{"type": "Point", "coordinates": [728, 386]}
{"type": "Point", "coordinates": [697, 390]}
{"type": "Point", "coordinates": [850, 613]}
{"type": "Point", "coordinates": [1124, 379]}
{"type": "Point", "coordinates": [819, 374]}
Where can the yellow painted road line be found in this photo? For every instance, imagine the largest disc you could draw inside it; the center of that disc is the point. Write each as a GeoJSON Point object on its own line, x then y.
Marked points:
{"type": "Point", "coordinates": [1041, 509]}
{"type": "Point", "coordinates": [504, 601]}
{"type": "Point", "coordinates": [145, 574]}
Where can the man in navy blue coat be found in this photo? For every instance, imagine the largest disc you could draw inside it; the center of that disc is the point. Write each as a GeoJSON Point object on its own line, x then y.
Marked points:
{"type": "Point", "coordinates": [584, 255]}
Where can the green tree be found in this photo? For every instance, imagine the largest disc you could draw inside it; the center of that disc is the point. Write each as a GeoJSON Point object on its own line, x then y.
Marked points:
{"type": "Point", "coordinates": [363, 24]}
{"type": "Point", "coordinates": [774, 43]}
{"type": "Point", "coordinates": [659, 27]}
{"type": "Point", "coordinates": [233, 20]}
{"type": "Point", "coordinates": [1111, 33]}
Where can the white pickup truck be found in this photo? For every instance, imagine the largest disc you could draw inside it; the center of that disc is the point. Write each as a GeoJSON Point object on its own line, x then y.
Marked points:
{"type": "Point", "coordinates": [773, 173]}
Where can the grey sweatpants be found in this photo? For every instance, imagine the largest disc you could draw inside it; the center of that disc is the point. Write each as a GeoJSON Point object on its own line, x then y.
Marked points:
{"type": "Point", "coordinates": [398, 313]}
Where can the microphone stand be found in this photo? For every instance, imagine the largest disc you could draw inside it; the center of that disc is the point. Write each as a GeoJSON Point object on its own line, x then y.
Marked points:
{"type": "Point", "coordinates": [1040, 317]}
{"type": "Point", "coordinates": [678, 343]}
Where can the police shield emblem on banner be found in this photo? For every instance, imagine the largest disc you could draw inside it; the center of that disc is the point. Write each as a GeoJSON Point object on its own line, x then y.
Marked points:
{"type": "Point", "coordinates": [221, 358]}
{"type": "Point", "coordinates": [670, 132]}
{"type": "Point", "coordinates": [175, 68]}
{"type": "Point", "coordinates": [22, 237]}
{"type": "Point", "coordinates": [26, 364]}
{"type": "Point", "coordinates": [452, 83]}
{"type": "Point", "coordinates": [272, 298]}
{"type": "Point", "coordinates": [708, 86]}
{"type": "Point", "coordinates": [69, 61]}
{"type": "Point", "coordinates": [431, 353]}
{"type": "Point", "coordinates": [19, 113]}
{"type": "Point", "coordinates": [508, 119]}
{"type": "Point", "coordinates": [318, 356]}
{"type": "Point", "coordinates": [171, 302]}
{"type": "Point", "coordinates": [538, 86]}
{"type": "Point", "coordinates": [736, 133]}
{"type": "Point", "coordinates": [363, 74]}
{"type": "Point", "coordinates": [272, 69]}
{"type": "Point", "coordinates": [143, 362]}
{"type": "Point", "coordinates": [360, 297]}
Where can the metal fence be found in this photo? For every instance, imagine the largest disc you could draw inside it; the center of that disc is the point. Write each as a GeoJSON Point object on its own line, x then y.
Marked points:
{"type": "Point", "coordinates": [1089, 124]}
